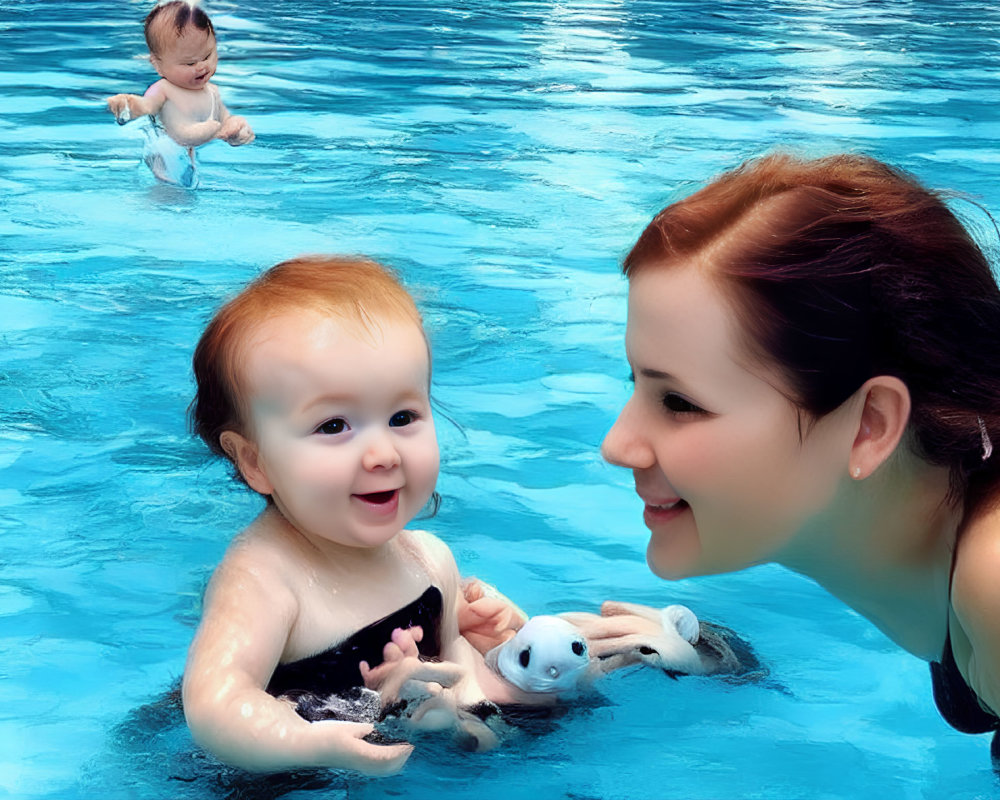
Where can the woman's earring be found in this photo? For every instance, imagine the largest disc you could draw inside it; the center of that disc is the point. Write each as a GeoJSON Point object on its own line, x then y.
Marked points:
{"type": "Point", "coordinates": [985, 437]}
{"type": "Point", "coordinates": [856, 472]}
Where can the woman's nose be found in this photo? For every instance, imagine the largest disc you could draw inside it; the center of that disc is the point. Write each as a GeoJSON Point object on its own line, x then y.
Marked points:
{"type": "Point", "coordinates": [380, 452]}
{"type": "Point", "coordinates": [626, 445]}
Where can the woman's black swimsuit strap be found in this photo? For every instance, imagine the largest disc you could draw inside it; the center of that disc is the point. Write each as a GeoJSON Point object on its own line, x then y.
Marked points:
{"type": "Point", "coordinates": [335, 671]}
{"type": "Point", "coordinates": [955, 699]}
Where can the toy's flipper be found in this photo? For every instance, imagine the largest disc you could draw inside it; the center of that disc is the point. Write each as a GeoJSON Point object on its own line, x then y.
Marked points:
{"type": "Point", "coordinates": [683, 619]}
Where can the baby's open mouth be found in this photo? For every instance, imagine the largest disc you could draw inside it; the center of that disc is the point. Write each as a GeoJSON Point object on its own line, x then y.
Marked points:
{"type": "Point", "coordinates": [378, 498]}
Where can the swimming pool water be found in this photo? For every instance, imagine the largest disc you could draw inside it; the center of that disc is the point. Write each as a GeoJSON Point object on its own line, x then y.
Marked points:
{"type": "Point", "coordinates": [503, 156]}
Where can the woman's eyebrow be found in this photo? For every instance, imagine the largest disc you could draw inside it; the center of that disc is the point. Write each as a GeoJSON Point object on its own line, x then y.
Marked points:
{"type": "Point", "coordinates": [655, 374]}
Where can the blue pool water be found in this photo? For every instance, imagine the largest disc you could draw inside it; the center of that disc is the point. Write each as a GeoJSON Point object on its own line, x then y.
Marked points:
{"type": "Point", "coordinates": [502, 154]}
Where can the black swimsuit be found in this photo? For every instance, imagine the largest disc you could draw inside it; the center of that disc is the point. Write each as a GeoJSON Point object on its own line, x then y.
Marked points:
{"type": "Point", "coordinates": [329, 685]}
{"type": "Point", "coordinates": [958, 703]}
{"type": "Point", "coordinates": [955, 699]}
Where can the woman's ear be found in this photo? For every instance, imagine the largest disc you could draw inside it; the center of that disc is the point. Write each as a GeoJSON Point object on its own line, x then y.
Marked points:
{"type": "Point", "coordinates": [884, 415]}
{"type": "Point", "coordinates": [244, 455]}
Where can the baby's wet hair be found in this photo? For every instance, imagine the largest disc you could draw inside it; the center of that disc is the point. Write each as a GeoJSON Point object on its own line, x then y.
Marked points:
{"type": "Point", "coordinates": [175, 16]}
{"type": "Point", "coordinates": [358, 292]}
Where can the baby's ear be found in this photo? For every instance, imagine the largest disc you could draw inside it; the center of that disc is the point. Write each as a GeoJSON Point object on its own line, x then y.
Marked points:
{"type": "Point", "coordinates": [243, 453]}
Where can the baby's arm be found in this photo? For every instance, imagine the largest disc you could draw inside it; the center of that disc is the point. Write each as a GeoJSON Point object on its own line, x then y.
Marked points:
{"type": "Point", "coordinates": [248, 614]}
{"type": "Point", "coordinates": [127, 107]}
{"type": "Point", "coordinates": [487, 618]}
{"type": "Point", "coordinates": [481, 683]}
{"type": "Point", "coordinates": [234, 130]}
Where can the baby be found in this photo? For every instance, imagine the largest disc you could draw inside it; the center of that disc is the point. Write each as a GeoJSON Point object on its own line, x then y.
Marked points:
{"type": "Point", "coordinates": [181, 41]}
{"type": "Point", "coordinates": [314, 382]}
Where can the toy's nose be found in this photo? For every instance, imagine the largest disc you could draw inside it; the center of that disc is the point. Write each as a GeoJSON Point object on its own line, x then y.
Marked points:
{"type": "Point", "coordinates": [553, 672]}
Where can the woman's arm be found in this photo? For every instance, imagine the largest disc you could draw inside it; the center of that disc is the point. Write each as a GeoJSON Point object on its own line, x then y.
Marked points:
{"type": "Point", "coordinates": [248, 615]}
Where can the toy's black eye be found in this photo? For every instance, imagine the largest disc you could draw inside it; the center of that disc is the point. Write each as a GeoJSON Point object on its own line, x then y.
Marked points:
{"type": "Point", "coordinates": [579, 648]}
{"type": "Point", "coordinates": [647, 651]}
{"type": "Point", "coordinates": [525, 657]}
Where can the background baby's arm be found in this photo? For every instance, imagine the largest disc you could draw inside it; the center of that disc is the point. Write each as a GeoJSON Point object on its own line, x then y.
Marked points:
{"type": "Point", "coordinates": [127, 107]}
{"type": "Point", "coordinates": [248, 615]}
{"type": "Point", "coordinates": [234, 130]}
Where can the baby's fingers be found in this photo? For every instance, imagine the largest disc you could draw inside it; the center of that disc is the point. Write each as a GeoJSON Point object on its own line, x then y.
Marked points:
{"type": "Point", "coordinates": [446, 673]}
{"type": "Point", "coordinates": [407, 640]}
{"type": "Point", "coordinates": [358, 754]}
{"type": "Point", "coordinates": [119, 106]}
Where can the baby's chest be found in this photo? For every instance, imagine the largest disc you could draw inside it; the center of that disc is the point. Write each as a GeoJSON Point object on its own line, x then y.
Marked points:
{"type": "Point", "coordinates": [326, 619]}
{"type": "Point", "coordinates": [183, 106]}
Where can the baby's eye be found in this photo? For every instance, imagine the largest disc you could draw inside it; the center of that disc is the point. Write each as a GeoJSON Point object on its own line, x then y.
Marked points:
{"type": "Point", "coordinates": [333, 426]}
{"type": "Point", "coordinates": [676, 404]}
{"type": "Point", "coordinates": [403, 418]}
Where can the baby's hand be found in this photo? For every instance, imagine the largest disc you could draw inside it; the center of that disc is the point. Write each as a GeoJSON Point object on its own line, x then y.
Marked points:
{"type": "Point", "coordinates": [402, 675]}
{"type": "Point", "coordinates": [348, 749]}
{"type": "Point", "coordinates": [235, 131]}
{"type": "Point", "coordinates": [485, 617]}
{"type": "Point", "coordinates": [120, 105]}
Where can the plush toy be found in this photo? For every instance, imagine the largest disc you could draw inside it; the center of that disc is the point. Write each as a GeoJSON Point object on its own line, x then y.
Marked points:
{"type": "Point", "coordinates": [550, 654]}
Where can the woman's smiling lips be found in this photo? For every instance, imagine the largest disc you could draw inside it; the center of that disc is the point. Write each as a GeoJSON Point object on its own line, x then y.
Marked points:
{"type": "Point", "coordinates": [662, 510]}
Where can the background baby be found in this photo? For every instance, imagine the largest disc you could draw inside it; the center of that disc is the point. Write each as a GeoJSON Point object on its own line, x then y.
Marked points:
{"type": "Point", "coordinates": [184, 102]}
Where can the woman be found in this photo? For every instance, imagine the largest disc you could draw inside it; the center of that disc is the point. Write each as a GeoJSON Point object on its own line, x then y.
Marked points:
{"type": "Point", "coordinates": [816, 353]}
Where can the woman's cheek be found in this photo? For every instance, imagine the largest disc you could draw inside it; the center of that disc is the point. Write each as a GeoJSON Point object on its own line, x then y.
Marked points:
{"type": "Point", "coordinates": [696, 458]}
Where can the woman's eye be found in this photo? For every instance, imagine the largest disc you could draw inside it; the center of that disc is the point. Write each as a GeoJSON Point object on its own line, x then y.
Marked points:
{"type": "Point", "coordinates": [680, 405]}
{"type": "Point", "coordinates": [332, 427]}
{"type": "Point", "coordinates": [402, 418]}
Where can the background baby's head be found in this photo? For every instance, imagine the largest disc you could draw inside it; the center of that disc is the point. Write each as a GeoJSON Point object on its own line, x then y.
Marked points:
{"type": "Point", "coordinates": [182, 45]}
{"type": "Point", "coordinates": [167, 21]}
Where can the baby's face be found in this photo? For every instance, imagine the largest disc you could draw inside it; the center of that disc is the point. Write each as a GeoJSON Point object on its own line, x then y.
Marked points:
{"type": "Point", "coordinates": [188, 60]}
{"type": "Point", "coordinates": [342, 423]}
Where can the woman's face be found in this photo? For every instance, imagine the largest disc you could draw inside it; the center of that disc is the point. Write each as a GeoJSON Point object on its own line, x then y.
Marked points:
{"type": "Point", "coordinates": [715, 447]}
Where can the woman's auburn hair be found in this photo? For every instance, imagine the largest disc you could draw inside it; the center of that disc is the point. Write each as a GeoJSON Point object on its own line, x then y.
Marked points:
{"type": "Point", "coordinates": [359, 292]}
{"type": "Point", "coordinates": [843, 268]}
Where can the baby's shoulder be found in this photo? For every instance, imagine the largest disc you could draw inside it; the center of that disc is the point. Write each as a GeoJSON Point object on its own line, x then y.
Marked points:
{"type": "Point", "coordinates": [433, 551]}
{"type": "Point", "coordinates": [258, 552]}
{"type": "Point", "coordinates": [430, 544]}
{"type": "Point", "coordinates": [160, 87]}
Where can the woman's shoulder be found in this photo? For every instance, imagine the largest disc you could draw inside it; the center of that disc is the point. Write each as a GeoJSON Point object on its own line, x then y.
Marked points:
{"type": "Point", "coordinates": [975, 600]}
{"type": "Point", "coordinates": [977, 555]}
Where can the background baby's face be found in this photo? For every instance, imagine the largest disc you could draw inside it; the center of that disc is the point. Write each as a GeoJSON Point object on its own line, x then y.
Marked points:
{"type": "Point", "coordinates": [188, 60]}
